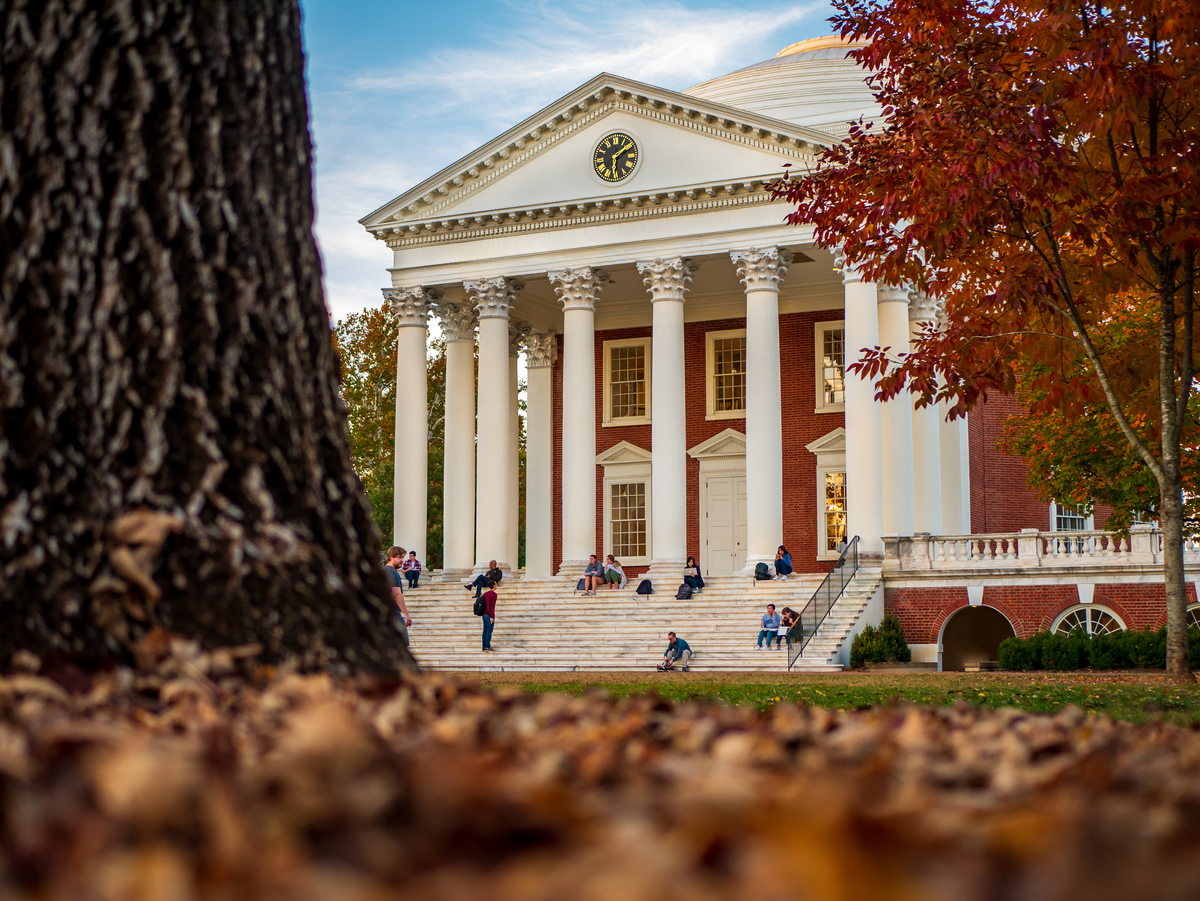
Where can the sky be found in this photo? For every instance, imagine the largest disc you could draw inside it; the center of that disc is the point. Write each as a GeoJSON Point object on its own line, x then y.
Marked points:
{"type": "Point", "coordinates": [399, 89]}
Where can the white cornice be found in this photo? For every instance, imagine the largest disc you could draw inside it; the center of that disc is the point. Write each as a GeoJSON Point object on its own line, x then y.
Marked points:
{"type": "Point", "coordinates": [602, 95]}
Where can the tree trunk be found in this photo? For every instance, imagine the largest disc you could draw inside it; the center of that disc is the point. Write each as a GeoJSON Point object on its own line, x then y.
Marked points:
{"type": "Point", "coordinates": [173, 447]}
{"type": "Point", "coordinates": [1171, 519]}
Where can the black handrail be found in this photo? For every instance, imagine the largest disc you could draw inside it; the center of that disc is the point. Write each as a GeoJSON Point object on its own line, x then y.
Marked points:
{"type": "Point", "coordinates": [822, 601]}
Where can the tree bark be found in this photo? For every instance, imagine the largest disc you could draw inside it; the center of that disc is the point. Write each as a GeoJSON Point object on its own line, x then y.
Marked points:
{"type": "Point", "coordinates": [173, 449]}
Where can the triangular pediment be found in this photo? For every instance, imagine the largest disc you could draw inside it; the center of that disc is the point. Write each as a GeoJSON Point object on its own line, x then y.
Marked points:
{"type": "Point", "coordinates": [624, 453]}
{"type": "Point", "coordinates": [729, 443]}
{"type": "Point", "coordinates": [690, 151]}
{"type": "Point", "coordinates": [831, 443]}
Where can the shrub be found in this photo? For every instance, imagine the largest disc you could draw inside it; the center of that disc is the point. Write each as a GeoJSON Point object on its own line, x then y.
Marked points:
{"type": "Point", "coordinates": [1108, 652]}
{"type": "Point", "coordinates": [1019, 654]}
{"type": "Point", "coordinates": [1146, 649]}
{"type": "Point", "coordinates": [1064, 652]}
{"type": "Point", "coordinates": [883, 645]}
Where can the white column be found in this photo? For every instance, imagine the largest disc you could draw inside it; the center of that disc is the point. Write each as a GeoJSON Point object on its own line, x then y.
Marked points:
{"type": "Point", "coordinates": [410, 306]}
{"type": "Point", "coordinates": [578, 289]}
{"type": "Point", "coordinates": [458, 499]}
{"type": "Point", "coordinates": [956, 474]}
{"type": "Point", "coordinates": [864, 422]}
{"type": "Point", "coordinates": [761, 272]}
{"type": "Point", "coordinates": [897, 419]}
{"type": "Point", "coordinates": [667, 281]}
{"type": "Point", "coordinates": [493, 299]}
{"type": "Point", "coordinates": [927, 442]}
{"type": "Point", "coordinates": [516, 335]}
{"type": "Point", "coordinates": [540, 353]}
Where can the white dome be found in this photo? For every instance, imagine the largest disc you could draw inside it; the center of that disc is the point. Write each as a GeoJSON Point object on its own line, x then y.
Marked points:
{"type": "Point", "coordinates": [809, 83]}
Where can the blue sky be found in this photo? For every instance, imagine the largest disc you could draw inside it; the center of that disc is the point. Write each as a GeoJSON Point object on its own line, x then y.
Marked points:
{"type": "Point", "coordinates": [401, 89]}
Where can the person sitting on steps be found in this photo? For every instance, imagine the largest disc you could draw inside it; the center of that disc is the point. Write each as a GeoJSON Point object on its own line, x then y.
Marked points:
{"type": "Point", "coordinates": [494, 574]}
{"type": "Point", "coordinates": [691, 575]}
{"type": "Point", "coordinates": [770, 627]}
{"type": "Point", "coordinates": [783, 563]}
{"type": "Point", "coordinates": [677, 652]}
{"type": "Point", "coordinates": [613, 574]}
{"type": "Point", "coordinates": [593, 576]}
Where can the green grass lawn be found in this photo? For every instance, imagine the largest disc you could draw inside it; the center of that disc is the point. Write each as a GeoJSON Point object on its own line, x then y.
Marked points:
{"type": "Point", "coordinates": [1135, 697]}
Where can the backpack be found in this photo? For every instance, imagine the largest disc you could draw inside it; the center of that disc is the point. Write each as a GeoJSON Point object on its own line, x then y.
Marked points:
{"type": "Point", "coordinates": [684, 593]}
{"type": "Point", "coordinates": [480, 607]}
{"type": "Point", "coordinates": [644, 587]}
{"type": "Point", "coordinates": [762, 572]}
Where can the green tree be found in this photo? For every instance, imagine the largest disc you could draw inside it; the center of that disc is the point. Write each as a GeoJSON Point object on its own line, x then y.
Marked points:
{"type": "Point", "coordinates": [1036, 170]}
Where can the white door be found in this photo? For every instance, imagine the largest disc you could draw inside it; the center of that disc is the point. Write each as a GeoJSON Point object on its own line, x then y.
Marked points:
{"type": "Point", "coordinates": [724, 525]}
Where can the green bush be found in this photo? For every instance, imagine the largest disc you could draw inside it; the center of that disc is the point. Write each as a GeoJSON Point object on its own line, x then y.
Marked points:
{"type": "Point", "coordinates": [1108, 652]}
{"type": "Point", "coordinates": [1019, 655]}
{"type": "Point", "coordinates": [1064, 652]}
{"type": "Point", "coordinates": [1145, 649]}
{"type": "Point", "coordinates": [883, 645]}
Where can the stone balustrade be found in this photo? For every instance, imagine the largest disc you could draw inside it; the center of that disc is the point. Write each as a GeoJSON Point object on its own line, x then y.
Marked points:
{"type": "Point", "coordinates": [1026, 549]}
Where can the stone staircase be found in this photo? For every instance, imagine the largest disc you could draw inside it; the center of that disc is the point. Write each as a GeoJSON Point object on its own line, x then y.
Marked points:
{"type": "Point", "coordinates": [543, 626]}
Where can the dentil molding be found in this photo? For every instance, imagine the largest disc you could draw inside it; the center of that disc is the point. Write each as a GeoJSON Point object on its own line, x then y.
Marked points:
{"type": "Point", "coordinates": [493, 298]}
{"type": "Point", "coordinates": [541, 350]}
{"type": "Point", "coordinates": [578, 289]}
{"type": "Point", "coordinates": [667, 279]}
{"type": "Point", "coordinates": [411, 306]}
{"type": "Point", "coordinates": [458, 321]}
{"type": "Point", "coordinates": [762, 270]}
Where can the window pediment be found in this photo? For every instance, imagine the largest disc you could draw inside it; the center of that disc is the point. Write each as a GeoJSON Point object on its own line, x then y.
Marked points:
{"type": "Point", "coordinates": [625, 452]}
{"type": "Point", "coordinates": [729, 443]}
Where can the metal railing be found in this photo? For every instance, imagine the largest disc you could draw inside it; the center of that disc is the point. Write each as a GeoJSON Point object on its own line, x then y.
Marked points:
{"type": "Point", "coordinates": [822, 601]}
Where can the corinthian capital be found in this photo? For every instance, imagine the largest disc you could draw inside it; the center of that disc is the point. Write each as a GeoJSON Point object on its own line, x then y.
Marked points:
{"type": "Point", "coordinates": [762, 270]}
{"type": "Point", "coordinates": [892, 294]}
{"type": "Point", "coordinates": [667, 279]}
{"type": "Point", "coordinates": [922, 308]}
{"type": "Point", "coordinates": [458, 321]}
{"type": "Point", "coordinates": [850, 273]}
{"type": "Point", "coordinates": [516, 336]}
{"type": "Point", "coordinates": [493, 298]}
{"type": "Point", "coordinates": [541, 350]}
{"type": "Point", "coordinates": [411, 306]}
{"type": "Point", "coordinates": [578, 289]}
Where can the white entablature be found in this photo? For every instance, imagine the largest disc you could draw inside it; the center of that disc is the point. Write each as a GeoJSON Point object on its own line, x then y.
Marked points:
{"type": "Point", "coordinates": [697, 155]}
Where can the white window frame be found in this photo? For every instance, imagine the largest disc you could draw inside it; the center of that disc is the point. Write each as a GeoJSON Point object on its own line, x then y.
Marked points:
{"type": "Point", "coordinates": [1088, 607]}
{"type": "Point", "coordinates": [1088, 525]}
{"type": "Point", "coordinates": [607, 418]}
{"type": "Point", "coordinates": [626, 464]}
{"type": "Point", "coordinates": [819, 330]}
{"type": "Point", "coordinates": [710, 369]}
{"type": "Point", "coordinates": [830, 451]}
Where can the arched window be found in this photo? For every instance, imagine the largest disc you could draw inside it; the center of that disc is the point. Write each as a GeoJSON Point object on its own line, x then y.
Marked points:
{"type": "Point", "coordinates": [1093, 619]}
{"type": "Point", "coordinates": [1193, 616]}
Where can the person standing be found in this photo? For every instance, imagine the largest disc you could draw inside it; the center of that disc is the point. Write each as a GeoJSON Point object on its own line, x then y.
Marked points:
{"type": "Point", "coordinates": [391, 568]}
{"type": "Point", "coordinates": [489, 614]}
{"type": "Point", "coordinates": [411, 567]}
{"type": "Point", "coordinates": [770, 627]}
{"type": "Point", "coordinates": [677, 651]}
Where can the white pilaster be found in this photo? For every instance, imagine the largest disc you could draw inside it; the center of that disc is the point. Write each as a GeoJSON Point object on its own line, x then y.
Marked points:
{"type": "Point", "coordinates": [668, 281]}
{"type": "Point", "coordinates": [540, 353]}
{"type": "Point", "coordinates": [516, 336]}
{"type": "Point", "coordinates": [493, 299]}
{"type": "Point", "coordinates": [864, 421]}
{"type": "Point", "coordinates": [897, 419]}
{"type": "Point", "coordinates": [956, 474]}
{"type": "Point", "coordinates": [458, 498]}
{"type": "Point", "coordinates": [411, 306]}
{"type": "Point", "coordinates": [761, 272]}
{"type": "Point", "coordinates": [927, 453]}
{"type": "Point", "coordinates": [579, 290]}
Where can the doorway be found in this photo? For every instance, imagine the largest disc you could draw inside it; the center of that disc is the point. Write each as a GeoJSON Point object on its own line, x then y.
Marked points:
{"type": "Point", "coordinates": [723, 524]}
{"type": "Point", "coordinates": [973, 635]}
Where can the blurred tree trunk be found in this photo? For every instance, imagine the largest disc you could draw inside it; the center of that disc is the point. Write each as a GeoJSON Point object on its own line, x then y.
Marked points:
{"type": "Point", "coordinates": [173, 448]}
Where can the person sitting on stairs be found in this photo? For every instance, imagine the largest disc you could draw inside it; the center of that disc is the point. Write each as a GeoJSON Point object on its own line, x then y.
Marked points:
{"type": "Point", "coordinates": [770, 628]}
{"type": "Point", "coordinates": [783, 563]}
{"type": "Point", "coordinates": [677, 652]}
{"type": "Point", "coordinates": [593, 576]}
{"type": "Point", "coordinates": [691, 574]}
{"type": "Point", "coordinates": [494, 574]}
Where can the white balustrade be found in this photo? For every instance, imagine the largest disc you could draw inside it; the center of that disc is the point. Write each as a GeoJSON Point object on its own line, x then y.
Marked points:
{"type": "Point", "coordinates": [1029, 548]}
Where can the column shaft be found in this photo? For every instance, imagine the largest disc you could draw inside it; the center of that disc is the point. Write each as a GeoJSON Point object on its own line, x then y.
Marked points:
{"type": "Point", "coordinates": [897, 420]}
{"type": "Point", "coordinates": [410, 495]}
{"type": "Point", "coordinates": [668, 280]}
{"type": "Point", "coordinates": [514, 466]}
{"type": "Point", "coordinates": [864, 422]}
{"type": "Point", "coordinates": [539, 360]}
{"type": "Point", "coordinates": [458, 500]}
{"type": "Point", "coordinates": [956, 475]}
{"type": "Point", "coordinates": [927, 455]}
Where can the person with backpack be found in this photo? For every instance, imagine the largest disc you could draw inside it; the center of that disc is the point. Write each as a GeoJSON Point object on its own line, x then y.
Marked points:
{"type": "Point", "coordinates": [783, 563]}
{"type": "Point", "coordinates": [489, 614]}
{"type": "Point", "coordinates": [691, 575]}
{"type": "Point", "coordinates": [770, 628]}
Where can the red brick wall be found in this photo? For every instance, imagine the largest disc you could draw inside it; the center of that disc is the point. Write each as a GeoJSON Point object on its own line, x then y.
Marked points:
{"type": "Point", "coordinates": [1001, 500]}
{"type": "Point", "coordinates": [1029, 607]}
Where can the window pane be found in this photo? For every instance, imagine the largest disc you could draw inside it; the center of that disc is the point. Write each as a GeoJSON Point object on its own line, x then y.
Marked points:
{"type": "Point", "coordinates": [833, 361]}
{"type": "Point", "coordinates": [1069, 519]}
{"type": "Point", "coordinates": [627, 385]}
{"type": "Point", "coordinates": [729, 374]}
{"type": "Point", "coordinates": [628, 519]}
{"type": "Point", "coordinates": [835, 509]}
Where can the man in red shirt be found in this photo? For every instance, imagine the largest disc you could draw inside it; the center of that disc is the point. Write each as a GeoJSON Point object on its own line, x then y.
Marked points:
{"type": "Point", "coordinates": [489, 614]}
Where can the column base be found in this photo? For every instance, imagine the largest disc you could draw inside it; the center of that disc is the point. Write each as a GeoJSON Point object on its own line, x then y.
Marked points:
{"type": "Point", "coordinates": [666, 571]}
{"type": "Point", "coordinates": [752, 564]}
{"type": "Point", "coordinates": [458, 574]}
{"type": "Point", "coordinates": [569, 568]}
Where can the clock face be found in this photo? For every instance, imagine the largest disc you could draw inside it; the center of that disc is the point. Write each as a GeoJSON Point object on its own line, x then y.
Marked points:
{"type": "Point", "coordinates": [616, 157]}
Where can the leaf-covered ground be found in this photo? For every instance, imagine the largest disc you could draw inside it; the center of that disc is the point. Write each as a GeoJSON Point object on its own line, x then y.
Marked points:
{"type": "Point", "coordinates": [191, 783]}
{"type": "Point", "coordinates": [1132, 696]}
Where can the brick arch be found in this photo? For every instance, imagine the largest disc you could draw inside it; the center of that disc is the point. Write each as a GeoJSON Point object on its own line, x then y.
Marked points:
{"type": "Point", "coordinates": [951, 608]}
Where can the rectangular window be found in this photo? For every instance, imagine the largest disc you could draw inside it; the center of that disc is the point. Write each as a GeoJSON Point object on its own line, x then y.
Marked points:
{"type": "Point", "coordinates": [1069, 519]}
{"type": "Point", "coordinates": [628, 524]}
{"type": "Point", "coordinates": [627, 381]}
{"type": "Point", "coordinates": [725, 354]}
{"type": "Point", "coordinates": [830, 347]}
{"type": "Point", "coordinates": [835, 510]}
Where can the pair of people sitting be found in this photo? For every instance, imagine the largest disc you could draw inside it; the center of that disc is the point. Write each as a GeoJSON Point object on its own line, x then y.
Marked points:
{"type": "Point", "coordinates": [610, 574]}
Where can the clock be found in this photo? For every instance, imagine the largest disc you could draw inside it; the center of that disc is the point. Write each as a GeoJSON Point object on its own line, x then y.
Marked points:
{"type": "Point", "coordinates": [615, 157]}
